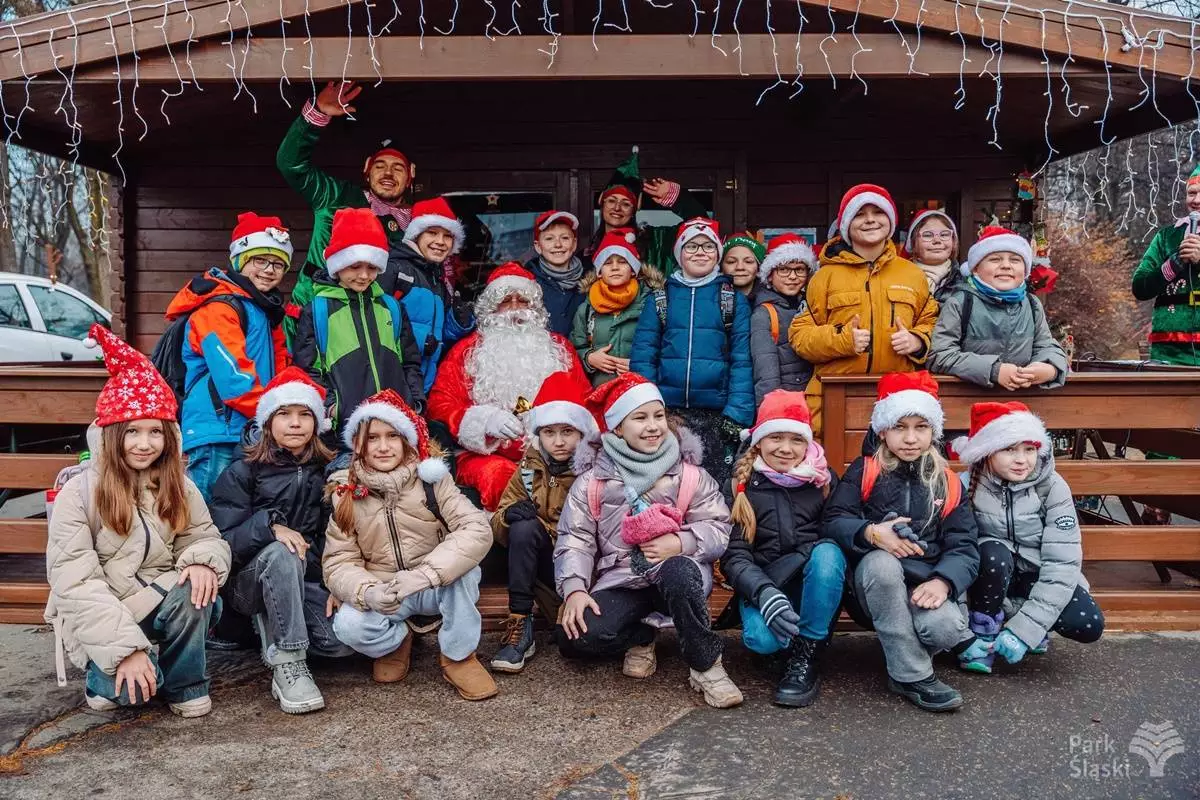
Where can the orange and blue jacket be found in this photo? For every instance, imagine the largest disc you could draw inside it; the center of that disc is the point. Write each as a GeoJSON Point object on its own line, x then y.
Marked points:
{"type": "Point", "coordinates": [238, 363]}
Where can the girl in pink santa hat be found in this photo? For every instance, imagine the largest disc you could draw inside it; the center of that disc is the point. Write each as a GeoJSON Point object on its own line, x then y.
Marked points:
{"type": "Point", "coordinates": [932, 244]}
{"type": "Point", "coordinates": [641, 528]}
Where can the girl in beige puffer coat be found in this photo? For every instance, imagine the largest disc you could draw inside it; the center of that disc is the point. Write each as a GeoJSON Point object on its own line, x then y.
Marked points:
{"type": "Point", "coordinates": [403, 542]}
{"type": "Point", "coordinates": [132, 555]}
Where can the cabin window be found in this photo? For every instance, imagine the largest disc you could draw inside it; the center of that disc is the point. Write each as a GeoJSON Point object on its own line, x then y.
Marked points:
{"type": "Point", "coordinates": [499, 229]}
{"type": "Point", "coordinates": [653, 216]}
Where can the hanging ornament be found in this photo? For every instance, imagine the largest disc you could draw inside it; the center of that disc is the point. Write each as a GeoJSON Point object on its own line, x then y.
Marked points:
{"type": "Point", "coordinates": [1026, 186]}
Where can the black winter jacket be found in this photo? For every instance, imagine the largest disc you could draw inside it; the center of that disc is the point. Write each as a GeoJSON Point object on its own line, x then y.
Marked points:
{"type": "Point", "coordinates": [951, 550]}
{"type": "Point", "coordinates": [789, 525]}
{"type": "Point", "coordinates": [561, 304]}
{"type": "Point", "coordinates": [249, 498]}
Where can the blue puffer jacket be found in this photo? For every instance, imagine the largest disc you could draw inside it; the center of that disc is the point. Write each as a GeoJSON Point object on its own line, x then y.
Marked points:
{"type": "Point", "coordinates": [561, 304]}
{"type": "Point", "coordinates": [695, 363]}
{"type": "Point", "coordinates": [419, 284]}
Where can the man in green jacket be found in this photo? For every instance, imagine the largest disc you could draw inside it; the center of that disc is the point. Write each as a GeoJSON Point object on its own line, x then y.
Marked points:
{"type": "Point", "coordinates": [1168, 275]}
{"type": "Point", "coordinates": [386, 176]}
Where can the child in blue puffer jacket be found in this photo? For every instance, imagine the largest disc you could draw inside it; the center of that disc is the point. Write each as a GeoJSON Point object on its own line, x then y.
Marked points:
{"type": "Point", "coordinates": [696, 347]}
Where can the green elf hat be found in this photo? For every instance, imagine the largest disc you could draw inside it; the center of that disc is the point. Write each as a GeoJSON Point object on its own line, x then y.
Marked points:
{"type": "Point", "coordinates": [626, 179]}
{"type": "Point", "coordinates": [747, 241]}
{"type": "Point", "coordinates": [1194, 178]}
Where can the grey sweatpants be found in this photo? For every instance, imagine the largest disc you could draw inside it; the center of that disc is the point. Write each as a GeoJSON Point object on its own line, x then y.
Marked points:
{"type": "Point", "coordinates": [910, 635]}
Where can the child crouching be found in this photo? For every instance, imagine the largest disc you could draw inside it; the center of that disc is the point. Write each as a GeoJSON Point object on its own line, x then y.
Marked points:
{"type": "Point", "coordinates": [638, 535]}
{"type": "Point", "coordinates": [404, 541]}
{"type": "Point", "coordinates": [526, 521]}
{"type": "Point", "coordinates": [787, 578]}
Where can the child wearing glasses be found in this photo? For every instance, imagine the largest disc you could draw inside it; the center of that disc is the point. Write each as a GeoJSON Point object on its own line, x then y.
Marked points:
{"type": "Point", "coordinates": [992, 331]}
{"type": "Point", "coordinates": [932, 245]}
{"type": "Point", "coordinates": [694, 343]}
{"type": "Point", "coordinates": [782, 277]}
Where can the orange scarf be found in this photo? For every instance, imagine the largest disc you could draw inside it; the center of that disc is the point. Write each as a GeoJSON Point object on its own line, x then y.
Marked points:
{"type": "Point", "coordinates": [609, 300]}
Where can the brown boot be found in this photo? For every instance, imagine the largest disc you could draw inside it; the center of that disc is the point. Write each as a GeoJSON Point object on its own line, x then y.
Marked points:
{"type": "Point", "coordinates": [394, 666]}
{"type": "Point", "coordinates": [469, 677]}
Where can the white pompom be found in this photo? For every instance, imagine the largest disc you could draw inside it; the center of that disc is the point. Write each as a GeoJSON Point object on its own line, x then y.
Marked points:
{"type": "Point", "coordinates": [746, 433]}
{"type": "Point", "coordinates": [432, 470]}
{"type": "Point", "coordinates": [630, 238]}
{"type": "Point", "coordinates": [635, 148]}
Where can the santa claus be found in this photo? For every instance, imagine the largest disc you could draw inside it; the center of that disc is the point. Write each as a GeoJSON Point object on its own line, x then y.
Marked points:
{"type": "Point", "coordinates": [487, 380]}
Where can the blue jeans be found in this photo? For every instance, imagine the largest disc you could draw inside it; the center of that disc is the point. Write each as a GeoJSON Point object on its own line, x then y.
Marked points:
{"type": "Point", "coordinates": [816, 594]}
{"type": "Point", "coordinates": [180, 669]}
{"type": "Point", "coordinates": [207, 462]}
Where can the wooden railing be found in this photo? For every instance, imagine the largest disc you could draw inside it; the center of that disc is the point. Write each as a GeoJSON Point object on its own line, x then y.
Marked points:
{"type": "Point", "coordinates": [1142, 410]}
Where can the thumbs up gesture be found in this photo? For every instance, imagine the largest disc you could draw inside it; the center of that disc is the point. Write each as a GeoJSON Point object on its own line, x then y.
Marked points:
{"type": "Point", "coordinates": [862, 337]}
{"type": "Point", "coordinates": [904, 341]}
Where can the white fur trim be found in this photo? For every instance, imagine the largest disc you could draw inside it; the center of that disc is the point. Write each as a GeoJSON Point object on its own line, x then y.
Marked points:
{"type": "Point", "coordinates": [271, 239]}
{"type": "Point", "coordinates": [780, 426]}
{"type": "Point", "coordinates": [856, 205]}
{"type": "Point", "coordinates": [629, 402]}
{"type": "Point", "coordinates": [384, 412]}
{"type": "Point", "coordinates": [1000, 243]}
{"type": "Point", "coordinates": [560, 216]}
{"type": "Point", "coordinates": [294, 393]}
{"type": "Point", "coordinates": [354, 254]}
{"type": "Point", "coordinates": [560, 412]}
{"type": "Point", "coordinates": [616, 250]}
{"type": "Point", "coordinates": [692, 232]}
{"type": "Point", "coordinates": [910, 402]}
{"type": "Point", "coordinates": [472, 431]}
{"type": "Point", "coordinates": [432, 470]}
{"type": "Point", "coordinates": [785, 254]}
{"type": "Point", "coordinates": [495, 292]}
{"type": "Point", "coordinates": [420, 224]}
{"type": "Point", "coordinates": [1002, 432]}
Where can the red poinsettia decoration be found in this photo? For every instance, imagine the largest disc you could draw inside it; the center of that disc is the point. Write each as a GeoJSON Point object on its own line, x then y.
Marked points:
{"type": "Point", "coordinates": [1042, 280]}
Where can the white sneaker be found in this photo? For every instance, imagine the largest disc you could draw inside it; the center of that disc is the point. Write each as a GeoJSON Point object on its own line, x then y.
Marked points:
{"type": "Point", "coordinates": [97, 703]}
{"type": "Point", "coordinates": [196, 707]}
{"type": "Point", "coordinates": [714, 683]}
{"type": "Point", "coordinates": [640, 661]}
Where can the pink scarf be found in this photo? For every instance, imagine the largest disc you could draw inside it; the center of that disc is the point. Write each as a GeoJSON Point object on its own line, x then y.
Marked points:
{"type": "Point", "coordinates": [813, 469]}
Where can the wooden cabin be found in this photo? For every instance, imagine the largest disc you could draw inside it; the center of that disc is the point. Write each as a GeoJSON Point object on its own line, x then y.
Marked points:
{"type": "Point", "coordinates": [512, 109]}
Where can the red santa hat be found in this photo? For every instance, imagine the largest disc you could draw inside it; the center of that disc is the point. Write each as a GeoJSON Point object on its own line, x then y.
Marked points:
{"type": "Point", "coordinates": [864, 194]}
{"type": "Point", "coordinates": [135, 390]}
{"type": "Point", "coordinates": [619, 242]}
{"type": "Point", "coordinates": [548, 218]}
{"type": "Point", "coordinates": [385, 150]}
{"type": "Point", "coordinates": [254, 235]}
{"type": "Point", "coordinates": [435, 213]}
{"type": "Point", "coordinates": [904, 394]}
{"type": "Point", "coordinates": [994, 239]}
{"type": "Point", "coordinates": [781, 412]}
{"type": "Point", "coordinates": [920, 218]}
{"type": "Point", "coordinates": [614, 401]}
{"type": "Point", "coordinates": [292, 387]}
{"type": "Point", "coordinates": [560, 402]}
{"type": "Point", "coordinates": [357, 237]}
{"type": "Point", "coordinates": [784, 249]}
{"type": "Point", "coordinates": [510, 278]}
{"type": "Point", "coordinates": [389, 407]}
{"type": "Point", "coordinates": [692, 228]}
{"type": "Point", "coordinates": [995, 426]}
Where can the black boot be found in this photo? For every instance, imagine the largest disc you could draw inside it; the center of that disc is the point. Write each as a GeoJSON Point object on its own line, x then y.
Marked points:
{"type": "Point", "coordinates": [929, 694]}
{"type": "Point", "coordinates": [801, 677]}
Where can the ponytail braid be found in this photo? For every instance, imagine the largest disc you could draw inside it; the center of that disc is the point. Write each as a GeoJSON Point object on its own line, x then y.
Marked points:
{"type": "Point", "coordinates": [742, 512]}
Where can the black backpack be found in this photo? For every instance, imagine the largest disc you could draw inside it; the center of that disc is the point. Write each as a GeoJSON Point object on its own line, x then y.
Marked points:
{"type": "Point", "coordinates": [167, 355]}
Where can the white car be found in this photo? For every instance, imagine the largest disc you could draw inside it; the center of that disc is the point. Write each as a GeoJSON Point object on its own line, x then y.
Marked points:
{"type": "Point", "coordinates": [41, 321]}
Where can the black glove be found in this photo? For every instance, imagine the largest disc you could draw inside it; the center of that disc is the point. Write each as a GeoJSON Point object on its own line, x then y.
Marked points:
{"type": "Point", "coordinates": [520, 511]}
{"type": "Point", "coordinates": [729, 429]}
{"type": "Point", "coordinates": [778, 613]}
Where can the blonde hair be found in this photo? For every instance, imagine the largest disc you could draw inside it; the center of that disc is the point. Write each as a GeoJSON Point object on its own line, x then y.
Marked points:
{"type": "Point", "coordinates": [931, 467]}
{"type": "Point", "coordinates": [742, 512]}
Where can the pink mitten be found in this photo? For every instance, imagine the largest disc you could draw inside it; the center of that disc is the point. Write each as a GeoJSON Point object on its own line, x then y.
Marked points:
{"type": "Point", "coordinates": [657, 520]}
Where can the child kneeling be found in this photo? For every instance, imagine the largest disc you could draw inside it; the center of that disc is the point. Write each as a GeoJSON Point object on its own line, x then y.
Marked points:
{"type": "Point", "coordinates": [640, 531]}
{"type": "Point", "coordinates": [1030, 548]}
{"type": "Point", "coordinates": [404, 541]}
{"type": "Point", "coordinates": [899, 517]}
{"type": "Point", "coordinates": [787, 578]}
{"type": "Point", "coordinates": [526, 521]}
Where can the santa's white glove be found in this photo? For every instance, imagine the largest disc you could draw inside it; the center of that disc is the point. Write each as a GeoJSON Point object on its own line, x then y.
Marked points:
{"type": "Point", "coordinates": [504, 425]}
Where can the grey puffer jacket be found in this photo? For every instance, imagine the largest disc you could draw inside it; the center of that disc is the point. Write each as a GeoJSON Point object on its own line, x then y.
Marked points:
{"type": "Point", "coordinates": [996, 333]}
{"type": "Point", "coordinates": [1036, 521]}
{"type": "Point", "coordinates": [776, 365]}
{"type": "Point", "coordinates": [590, 554]}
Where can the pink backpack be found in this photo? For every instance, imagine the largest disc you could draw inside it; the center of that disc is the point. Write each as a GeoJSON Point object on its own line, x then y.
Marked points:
{"type": "Point", "coordinates": [689, 479]}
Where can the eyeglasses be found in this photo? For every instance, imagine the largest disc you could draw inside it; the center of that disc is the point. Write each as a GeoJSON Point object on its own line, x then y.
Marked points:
{"type": "Point", "coordinates": [267, 264]}
{"type": "Point", "coordinates": [793, 272]}
{"type": "Point", "coordinates": [708, 248]}
{"type": "Point", "coordinates": [929, 236]}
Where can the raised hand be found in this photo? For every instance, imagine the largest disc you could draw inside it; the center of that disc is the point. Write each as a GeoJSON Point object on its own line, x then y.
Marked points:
{"type": "Point", "coordinates": [335, 99]}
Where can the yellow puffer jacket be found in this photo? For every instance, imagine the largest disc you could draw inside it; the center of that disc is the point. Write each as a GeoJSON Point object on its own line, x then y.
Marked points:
{"type": "Point", "coordinates": [884, 294]}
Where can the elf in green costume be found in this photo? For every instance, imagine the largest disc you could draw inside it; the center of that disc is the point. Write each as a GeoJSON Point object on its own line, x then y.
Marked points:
{"type": "Point", "coordinates": [1168, 275]}
{"type": "Point", "coordinates": [625, 194]}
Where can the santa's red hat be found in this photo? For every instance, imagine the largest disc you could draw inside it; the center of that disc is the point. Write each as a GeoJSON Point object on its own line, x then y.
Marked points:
{"type": "Point", "coordinates": [560, 402]}
{"type": "Point", "coordinates": [357, 237]}
{"type": "Point", "coordinates": [254, 235]}
{"type": "Point", "coordinates": [619, 242]}
{"type": "Point", "coordinates": [784, 249]}
{"type": "Point", "coordinates": [510, 278]}
{"type": "Point", "coordinates": [435, 213]}
{"type": "Point", "coordinates": [994, 239]}
{"type": "Point", "coordinates": [385, 150]}
{"type": "Point", "coordinates": [781, 412]}
{"type": "Point", "coordinates": [135, 390]}
{"type": "Point", "coordinates": [904, 394]}
{"type": "Point", "coordinates": [620, 397]}
{"type": "Point", "coordinates": [292, 387]}
{"type": "Point", "coordinates": [696, 227]}
{"type": "Point", "coordinates": [389, 407]}
{"type": "Point", "coordinates": [864, 194]}
{"type": "Point", "coordinates": [548, 218]}
{"type": "Point", "coordinates": [995, 426]}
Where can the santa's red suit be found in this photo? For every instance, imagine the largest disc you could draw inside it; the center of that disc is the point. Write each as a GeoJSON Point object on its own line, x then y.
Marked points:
{"type": "Point", "coordinates": [481, 379]}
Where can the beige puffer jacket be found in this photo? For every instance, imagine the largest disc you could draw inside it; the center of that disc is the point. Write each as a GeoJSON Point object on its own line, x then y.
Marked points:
{"type": "Point", "coordinates": [394, 531]}
{"type": "Point", "coordinates": [103, 584]}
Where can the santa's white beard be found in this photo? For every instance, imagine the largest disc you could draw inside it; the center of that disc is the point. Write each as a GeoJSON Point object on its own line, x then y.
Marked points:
{"type": "Point", "coordinates": [512, 356]}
